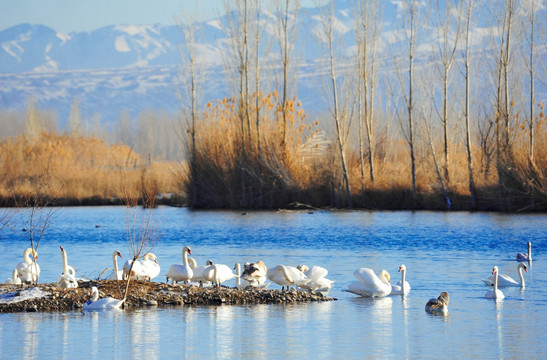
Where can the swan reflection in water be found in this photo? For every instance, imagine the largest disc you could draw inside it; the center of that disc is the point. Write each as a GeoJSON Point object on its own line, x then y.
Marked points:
{"type": "Point", "coordinates": [379, 313]}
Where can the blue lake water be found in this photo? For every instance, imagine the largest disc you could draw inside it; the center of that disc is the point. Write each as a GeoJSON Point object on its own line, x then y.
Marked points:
{"type": "Point", "coordinates": [442, 252]}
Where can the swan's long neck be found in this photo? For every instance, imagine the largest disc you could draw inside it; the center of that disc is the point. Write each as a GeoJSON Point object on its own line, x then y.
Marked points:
{"type": "Point", "coordinates": [238, 273]}
{"type": "Point", "coordinates": [26, 256]}
{"type": "Point", "coordinates": [529, 251]}
{"type": "Point", "coordinates": [115, 263]}
{"type": "Point", "coordinates": [65, 262]}
{"type": "Point", "coordinates": [521, 277]}
{"type": "Point", "coordinates": [496, 284]}
{"type": "Point", "coordinates": [403, 275]}
{"type": "Point", "coordinates": [95, 296]}
{"type": "Point", "coordinates": [185, 257]}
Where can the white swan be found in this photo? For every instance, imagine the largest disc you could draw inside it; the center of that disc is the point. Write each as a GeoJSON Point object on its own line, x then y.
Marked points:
{"type": "Point", "coordinates": [116, 274]}
{"type": "Point", "coordinates": [149, 267]}
{"type": "Point", "coordinates": [255, 274]}
{"type": "Point", "coordinates": [525, 257]}
{"type": "Point", "coordinates": [495, 293]}
{"type": "Point", "coordinates": [107, 303]}
{"type": "Point", "coordinates": [438, 305]}
{"type": "Point", "coordinates": [197, 270]}
{"type": "Point", "coordinates": [14, 280]}
{"type": "Point", "coordinates": [317, 276]}
{"type": "Point", "coordinates": [505, 280]}
{"type": "Point", "coordinates": [29, 271]}
{"type": "Point", "coordinates": [370, 284]}
{"type": "Point", "coordinates": [67, 279]}
{"type": "Point", "coordinates": [286, 276]}
{"type": "Point", "coordinates": [182, 272]}
{"type": "Point", "coordinates": [218, 273]}
{"type": "Point", "coordinates": [402, 287]}
{"type": "Point", "coordinates": [132, 269]}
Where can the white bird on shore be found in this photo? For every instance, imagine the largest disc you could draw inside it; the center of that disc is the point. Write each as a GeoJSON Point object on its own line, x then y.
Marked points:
{"type": "Point", "coordinates": [29, 271]}
{"type": "Point", "coordinates": [218, 273]}
{"type": "Point", "coordinates": [14, 280]}
{"type": "Point", "coordinates": [107, 303]}
{"type": "Point", "coordinates": [182, 272]}
{"type": "Point", "coordinates": [67, 279]}
{"type": "Point", "coordinates": [197, 270]}
{"type": "Point", "coordinates": [149, 267]}
{"type": "Point", "coordinates": [286, 276]}
{"type": "Point", "coordinates": [317, 276]}
{"type": "Point", "coordinates": [255, 274]}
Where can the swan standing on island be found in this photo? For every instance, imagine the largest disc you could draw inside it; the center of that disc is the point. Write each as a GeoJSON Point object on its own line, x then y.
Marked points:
{"type": "Point", "coordinates": [369, 284]}
{"type": "Point", "coordinates": [286, 276]}
{"type": "Point", "coordinates": [402, 287]}
{"type": "Point", "coordinates": [107, 303]}
{"type": "Point", "coordinates": [132, 269]}
{"type": "Point", "coordinates": [14, 280]}
{"type": "Point", "coordinates": [29, 271]}
{"type": "Point", "coordinates": [525, 257]}
{"type": "Point", "coordinates": [149, 267]}
{"type": "Point", "coordinates": [495, 293]}
{"type": "Point", "coordinates": [318, 282]}
{"type": "Point", "coordinates": [438, 305]}
{"type": "Point", "coordinates": [116, 274]}
{"type": "Point", "coordinates": [197, 270]}
{"type": "Point", "coordinates": [218, 273]}
{"type": "Point", "coordinates": [67, 279]}
{"type": "Point", "coordinates": [182, 272]}
{"type": "Point", "coordinates": [506, 280]}
{"type": "Point", "coordinates": [255, 274]}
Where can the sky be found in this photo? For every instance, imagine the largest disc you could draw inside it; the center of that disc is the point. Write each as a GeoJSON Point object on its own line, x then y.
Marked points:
{"type": "Point", "coordinates": [67, 16]}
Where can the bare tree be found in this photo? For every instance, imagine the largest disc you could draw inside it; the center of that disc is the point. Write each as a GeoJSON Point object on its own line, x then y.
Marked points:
{"type": "Point", "coordinates": [410, 18]}
{"type": "Point", "coordinates": [366, 28]}
{"type": "Point", "coordinates": [531, 8]}
{"type": "Point", "coordinates": [466, 61]}
{"type": "Point", "coordinates": [448, 26]}
{"type": "Point", "coordinates": [286, 31]}
{"type": "Point", "coordinates": [338, 106]}
{"type": "Point", "coordinates": [237, 13]}
{"type": "Point", "coordinates": [190, 77]}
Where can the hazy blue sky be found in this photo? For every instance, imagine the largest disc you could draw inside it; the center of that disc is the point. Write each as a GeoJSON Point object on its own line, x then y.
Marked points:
{"type": "Point", "coordinates": [84, 15]}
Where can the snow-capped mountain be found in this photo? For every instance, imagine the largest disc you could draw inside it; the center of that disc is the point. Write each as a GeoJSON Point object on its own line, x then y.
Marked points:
{"type": "Point", "coordinates": [135, 68]}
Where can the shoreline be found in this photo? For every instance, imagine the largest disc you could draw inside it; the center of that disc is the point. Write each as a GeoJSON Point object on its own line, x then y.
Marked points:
{"type": "Point", "coordinates": [143, 294]}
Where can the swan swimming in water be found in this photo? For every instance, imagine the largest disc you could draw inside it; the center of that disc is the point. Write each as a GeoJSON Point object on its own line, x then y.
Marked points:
{"type": "Point", "coordinates": [286, 276]}
{"type": "Point", "coordinates": [495, 293]}
{"type": "Point", "coordinates": [505, 280]}
{"type": "Point", "coordinates": [317, 276]}
{"type": "Point", "coordinates": [116, 274]}
{"type": "Point", "coordinates": [402, 287]}
{"type": "Point", "coordinates": [107, 303]}
{"type": "Point", "coordinates": [67, 279]}
{"type": "Point", "coordinates": [438, 305]}
{"type": "Point", "coordinates": [182, 272]}
{"type": "Point", "coordinates": [525, 257]}
{"type": "Point", "coordinates": [369, 284]}
{"type": "Point", "coordinates": [29, 271]}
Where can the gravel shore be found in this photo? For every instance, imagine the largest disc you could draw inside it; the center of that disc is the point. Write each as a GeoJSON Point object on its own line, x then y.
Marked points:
{"type": "Point", "coordinates": [47, 297]}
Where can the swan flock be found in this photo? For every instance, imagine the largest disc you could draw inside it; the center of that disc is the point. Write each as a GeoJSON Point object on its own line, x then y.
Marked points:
{"type": "Point", "coordinates": [254, 275]}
